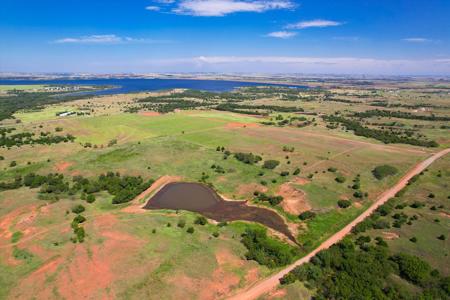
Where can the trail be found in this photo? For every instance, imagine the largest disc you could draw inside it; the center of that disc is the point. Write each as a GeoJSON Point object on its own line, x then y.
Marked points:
{"type": "Point", "coordinates": [272, 282]}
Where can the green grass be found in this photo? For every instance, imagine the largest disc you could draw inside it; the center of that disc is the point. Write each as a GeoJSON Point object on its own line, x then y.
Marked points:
{"type": "Point", "coordinates": [47, 113]}
{"type": "Point", "coordinates": [8, 87]}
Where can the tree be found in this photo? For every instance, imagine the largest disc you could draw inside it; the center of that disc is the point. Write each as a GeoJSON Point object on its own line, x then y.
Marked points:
{"type": "Point", "coordinates": [271, 164]}
{"type": "Point", "coordinates": [90, 198]}
{"type": "Point", "coordinates": [344, 203]}
{"type": "Point", "coordinates": [190, 230]}
{"type": "Point", "coordinates": [340, 179]}
{"type": "Point", "coordinates": [78, 209]}
{"type": "Point", "coordinates": [383, 171]}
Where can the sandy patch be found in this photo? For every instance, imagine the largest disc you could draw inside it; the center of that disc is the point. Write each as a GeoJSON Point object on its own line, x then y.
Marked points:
{"type": "Point", "coordinates": [294, 201]}
{"type": "Point", "coordinates": [136, 205]}
{"type": "Point", "coordinates": [242, 125]}
{"type": "Point", "coordinates": [150, 113]}
{"type": "Point", "coordinates": [62, 166]}
{"type": "Point", "coordinates": [390, 235]}
{"type": "Point", "coordinates": [444, 214]}
{"type": "Point", "coordinates": [252, 275]}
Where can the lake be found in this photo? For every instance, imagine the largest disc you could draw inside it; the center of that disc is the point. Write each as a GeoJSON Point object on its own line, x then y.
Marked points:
{"type": "Point", "coordinates": [123, 86]}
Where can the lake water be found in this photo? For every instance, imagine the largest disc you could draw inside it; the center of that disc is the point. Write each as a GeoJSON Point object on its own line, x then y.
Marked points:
{"type": "Point", "coordinates": [202, 199]}
{"type": "Point", "coordinates": [123, 86]}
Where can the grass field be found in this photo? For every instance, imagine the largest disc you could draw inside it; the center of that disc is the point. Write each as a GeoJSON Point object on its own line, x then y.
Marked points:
{"type": "Point", "coordinates": [26, 87]}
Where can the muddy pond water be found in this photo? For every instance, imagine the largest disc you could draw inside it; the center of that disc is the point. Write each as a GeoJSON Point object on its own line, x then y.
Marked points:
{"type": "Point", "coordinates": [202, 199]}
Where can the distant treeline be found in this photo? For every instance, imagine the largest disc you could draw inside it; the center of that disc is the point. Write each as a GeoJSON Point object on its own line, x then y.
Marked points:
{"type": "Point", "coordinates": [29, 138]}
{"type": "Point", "coordinates": [383, 136]}
{"type": "Point", "coordinates": [254, 109]}
{"type": "Point", "coordinates": [400, 115]}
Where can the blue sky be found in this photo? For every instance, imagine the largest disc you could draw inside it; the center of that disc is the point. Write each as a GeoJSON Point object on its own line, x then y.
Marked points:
{"type": "Point", "coordinates": [389, 37]}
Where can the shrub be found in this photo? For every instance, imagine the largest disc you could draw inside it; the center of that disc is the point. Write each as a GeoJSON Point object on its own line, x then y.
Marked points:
{"type": "Point", "coordinates": [79, 219]}
{"type": "Point", "coordinates": [90, 198]}
{"type": "Point", "coordinates": [284, 174]}
{"type": "Point", "coordinates": [13, 164]}
{"type": "Point", "coordinates": [344, 203]}
{"type": "Point", "coordinates": [306, 215]}
{"type": "Point", "coordinates": [181, 223]}
{"type": "Point", "coordinates": [78, 209]}
{"type": "Point", "coordinates": [201, 220]}
{"type": "Point", "coordinates": [271, 164]}
{"type": "Point", "coordinates": [190, 230]}
{"type": "Point", "coordinates": [296, 171]}
{"type": "Point", "coordinates": [413, 239]}
{"type": "Point", "coordinates": [340, 179]}
{"type": "Point", "coordinates": [383, 171]}
{"type": "Point", "coordinates": [332, 169]}
{"type": "Point", "coordinates": [215, 234]}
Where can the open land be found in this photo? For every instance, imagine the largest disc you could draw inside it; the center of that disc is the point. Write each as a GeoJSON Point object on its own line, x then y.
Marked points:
{"type": "Point", "coordinates": [312, 150]}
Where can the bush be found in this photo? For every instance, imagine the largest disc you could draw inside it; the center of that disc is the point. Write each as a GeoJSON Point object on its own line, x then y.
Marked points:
{"type": "Point", "coordinates": [181, 223]}
{"type": "Point", "coordinates": [90, 198]}
{"type": "Point", "coordinates": [200, 220]}
{"type": "Point", "coordinates": [307, 215]}
{"type": "Point", "coordinates": [79, 219]}
{"type": "Point", "coordinates": [344, 203]}
{"type": "Point", "coordinates": [78, 209]}
{"type": "Point", "coordinates": [190, 230]}
{"type": "Point", "coordinates": [271, 164]}
{"type": "Point", "coordinates": [383, 171]}
{"type": "Point", "coordinates": [340, 179]}
{"type": "Point", "coordinates": [215, 234]}
{"type": "Point", "coordinates": [13, 164]}
{"type": "Point", "coordinates": [296, 171]}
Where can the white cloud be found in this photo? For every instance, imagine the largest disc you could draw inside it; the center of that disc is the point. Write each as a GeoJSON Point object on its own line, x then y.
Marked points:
{"type": "Point", "coordinates": [106, 39]}
{"type": "Point", "coordinates": [293, 64]}
{"type": "Point", "coordinates": [314, 23]}
{"type": "Point", "coordinates": [417, 40]}
{"type": "Point", "coordinates": [153, 8]}
{"type": "Point", "coordinates": [282, 34]}
{"type": "Point", "coordinates": [220, 8]}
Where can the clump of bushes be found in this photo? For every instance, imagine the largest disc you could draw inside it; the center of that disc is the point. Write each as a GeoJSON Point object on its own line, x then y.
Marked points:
{"type": "Point", "coordinates": [306, 215]}
{"type": "Point", "coordinates": [344, 203]}
{"type": "Point", "coordinates": [273, 200]}
{"type": "Point", "coordinates": [265, 250]}
{"type": "Point", "coordinates": [383, 171]}
{"type": "Point", "coordinates": [200, 220]}
{"type": "Point", "coordinates": [271, 164]}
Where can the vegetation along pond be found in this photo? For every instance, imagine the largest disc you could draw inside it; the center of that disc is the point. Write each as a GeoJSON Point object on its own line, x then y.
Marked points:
{"type": "Point", "coordinates": [200, 198]}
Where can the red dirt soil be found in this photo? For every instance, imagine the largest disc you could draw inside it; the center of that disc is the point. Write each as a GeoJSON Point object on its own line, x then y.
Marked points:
{"type": "Point", "coordinates": [150, 113]}
{"type": "Point", "coordinates": [270, 283]}
{"type": "Point", "coordinates": [294, 201]}
{"type": "Point", "coordinates": [62, 166]}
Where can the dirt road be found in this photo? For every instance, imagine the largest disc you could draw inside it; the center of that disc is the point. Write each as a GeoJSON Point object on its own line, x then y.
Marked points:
{"type": "Point", "coordinates": [272, 282]}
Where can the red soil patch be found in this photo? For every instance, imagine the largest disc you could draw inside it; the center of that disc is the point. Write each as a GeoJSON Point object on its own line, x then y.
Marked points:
{"type": "Point", "coordinates": [242, 125]}
{"type": "Point", "coordinates": [294, 201]}
{"type": "Point", "coordinates": [444, 214]}
{"type": "Point", "coordinates": [86, 271]}
{"type": "Point", "coordinates": [300, 181]}
{"type": "Point", "coordinates": [62, 166]}
{"type": "Point", "coordinates": [278, 294]}
{"type": "Point", "coordinates": [252, 275]}
{"type": "Point", "coordinates": [150, 113]}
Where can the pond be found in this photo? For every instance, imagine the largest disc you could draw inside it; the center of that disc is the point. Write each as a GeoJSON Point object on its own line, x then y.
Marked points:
{"type": "Point", "coordinates": [202, 199]}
